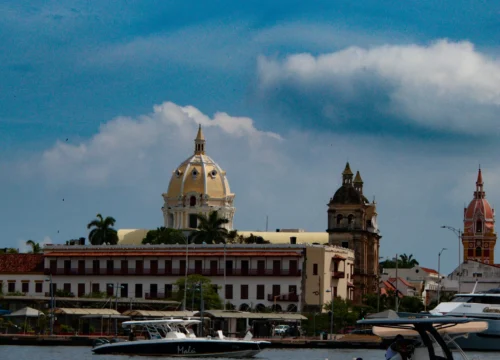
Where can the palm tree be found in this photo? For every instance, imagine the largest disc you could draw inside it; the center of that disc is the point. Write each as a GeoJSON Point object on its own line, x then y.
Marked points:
{"type": "Point", "coordinates": [407, 261]}
{"type": "Point", "coordinates": [211, 229]}
{"type": "Point", "coordinates": [163, 235]}
{"type": "Point", "coordinates": [102, 231]}
{"type": "Point", "coordinates": [35, 247]}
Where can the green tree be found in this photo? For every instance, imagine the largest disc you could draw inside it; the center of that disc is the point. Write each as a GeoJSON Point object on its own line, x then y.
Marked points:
{"type": "Point", "coordinates": [211, 229]}
{"type": "Point", "coordinates": [235, 238]}
{"type": "Point", "coordinates": [9, 251]}
{"type": "Point", "coordinates": [35, 247]}
{"type": "Point", "coordinates": [102, 231]}
{"type": "Point", "coordinates": [344, 313]}
{"type": "Point", "coordinates": [210, 296]}
{"type": "Point", "coordinates": [407, 261]}
{"type": "Point", "coordinates": [163, 235]}
{"type": "Point", "coordinates": [411, 304]}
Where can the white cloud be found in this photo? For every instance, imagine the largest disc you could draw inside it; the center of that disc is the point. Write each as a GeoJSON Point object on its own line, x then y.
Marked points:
{"type": "Point", "coordinates": [445, 86]}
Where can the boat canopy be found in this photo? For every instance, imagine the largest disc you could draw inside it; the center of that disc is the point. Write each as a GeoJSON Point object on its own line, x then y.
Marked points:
{"type": "Point", "coordinates": [415, 321]}
{"type": "Point", "coordinates": [471, 327]}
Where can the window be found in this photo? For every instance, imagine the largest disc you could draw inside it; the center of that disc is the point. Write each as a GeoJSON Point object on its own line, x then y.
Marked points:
{"type": "Point", "coordinates": [95, 266]}
{"type": "Point", "coordinates": [315, 269]}
{"type": "Point", "coordinates": [67, 288]}
{"type": "Point", "coordinates": [276, 290]}
{"type": "Point", "coordinates": [109, 267]}
{"type": "Point", "coordinates": [229, 267]}
{"type": "Point", "coordinates": [478, 251]}
{"type": "Point", "coordinates": [81, 267]}
{"type": "Point", "coordinates": [345, 244]}
{"type": "Point", "coordinates": [244, 267]}
{"type": "Point", "coordinates": [81, 289]}
{"type": "Point", "coordinates": [182, 267]}
{"type": "Point", "coordinates": [193, 221]}
{"type": "Point", "coordinates": [154, 266]}
{"type": "Point", "coordinates": [260, 292]}
{"type": "Point", "coordinates": [293, 240]}
{"type": "Point", "coordinates": [138, 291]}
{"type": "Point", "coordinates": [25, 287]}
{"type": "Point", "coordinates": [67, 267]}
{"type": "Point", "coordinates": [168, 291]}
{"type": "Point", "coordinates": [276, 267]}
{"type": "Point", "coordinates": [479, 226]}
{"type": "Point", "coordinates": [192, 201]}
{"type": "Point", "coordinates": [335, 266]}
{"type": "Point", "coordinates": [109, 289]}
{"type": "Point", "coordinates": [292, 289]}
{"type": "Point", "coordinates": [477, 275]}
{"type": "Point", "coordinates": [198, 267]}
{"type": "Point", "coordinates": [470, 253]}
{"type": "Point", "coordinates": [11, 287]}
{"type": "Point", "coordinates": [244, 292]}
{"type": "Point", "coordinates": [261, 267]}
{"type": "Point", "coordinates": [292, 266]}
{"type": "Point", "coordinates": [350, 219]}
{"type": "Point", "coordinates": [38, 287]}
{"type": "Point", "coordinates": [95, 288]}
{"type": "Point", "coordinates": [124, 267]}
{"type": "Point", "coordinates": [334, 291]}
{"type": "Point", "coordinates": [339, 219]}
{"type": "Point", "coordinates": [168, 267]}
{"type": "Point", "coordinates": [53, 267]}
{"type": "Point", "coordinates": [124, 291]}
{"type": "Point", "coordinates": [229, 291]}
{"type": "Point", "coordinates": [153, 289]}
{"type": "Point", "coordinates": [139, 267]}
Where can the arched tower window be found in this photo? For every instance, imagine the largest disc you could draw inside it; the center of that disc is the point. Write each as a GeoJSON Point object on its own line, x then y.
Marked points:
{"type": "Point", "coordinates": [350, 219]}
{"type": "Point", "coordinates": [192, 201]}
{"type": "Point", "coordinates": [479, 226]}
{"type": "Point", "coordinates": [339, 219]}
{"type": "Point", "coordinates": [478, 251]}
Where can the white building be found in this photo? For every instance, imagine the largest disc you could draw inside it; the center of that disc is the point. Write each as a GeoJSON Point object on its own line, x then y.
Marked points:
{"type": "Point", "coordinates": [257, 276]}
{"type": "Point", "coordinates": [22, 274]}
{"type": "Point", "coordinates": [487, 276]}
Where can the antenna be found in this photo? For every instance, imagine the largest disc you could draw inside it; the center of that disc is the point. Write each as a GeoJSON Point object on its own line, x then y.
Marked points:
{"type": "Point", "coordinates": [267, 222]}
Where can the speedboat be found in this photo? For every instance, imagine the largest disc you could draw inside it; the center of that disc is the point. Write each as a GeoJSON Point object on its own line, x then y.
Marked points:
{"type": "Point", "coordinates": [430, 338]}
{"type": "Point", "coordinates": [484, 306]}
{"type": "Point", "coordinates": [175, 338]}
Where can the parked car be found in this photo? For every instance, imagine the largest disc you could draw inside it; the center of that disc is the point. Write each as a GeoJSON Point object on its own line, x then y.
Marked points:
{"type": "Point", "coordinates": [281, 329]}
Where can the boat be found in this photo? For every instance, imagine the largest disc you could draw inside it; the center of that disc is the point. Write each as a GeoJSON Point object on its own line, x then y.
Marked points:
{"type": "Point", "coordinates": [175, 338]}
{"type": "Point", "coordinates": [483, 306]}
{"type": "Point", "coordinates": [431, 338]}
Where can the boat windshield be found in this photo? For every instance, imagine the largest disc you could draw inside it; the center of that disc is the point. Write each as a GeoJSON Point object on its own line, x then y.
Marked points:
{"type": "Point", "coordinates": [462, 299]}
{"type": "Point", "coordinates": [492, 300]}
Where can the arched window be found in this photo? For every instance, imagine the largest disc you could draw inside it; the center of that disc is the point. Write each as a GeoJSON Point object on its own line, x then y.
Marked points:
{"type": "Point", "coordinates": [479, 226]}
{"type": "Point", "coordinates": [192, 201]}
{"type": "Point", "coordinates": [350, 218]}
{"type": "Point", "coordinates": [478, 251]}
{"type": "Point", "coordinates": [339, 219]}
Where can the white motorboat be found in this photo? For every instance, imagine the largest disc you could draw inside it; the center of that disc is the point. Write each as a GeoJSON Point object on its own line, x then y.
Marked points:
{"type": "Point", "coordinates": [431, 338]}
{"type": "Point", "coordinates": [175, 338]}
{"type": "Point", "coordinates": [483, 306]}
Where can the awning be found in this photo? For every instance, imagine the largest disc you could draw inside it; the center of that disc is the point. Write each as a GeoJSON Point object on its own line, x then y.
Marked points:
{"type": "Point", "coordinates": [248, 315]}
{"type": "Point", "coordinates": [26, 312]}
{"type": "Point", "coordinates": [81, 312]}
{"type": "Point", "coordinates": [158, 314]}
{"type": "Point", "coordinates": [97, 316]}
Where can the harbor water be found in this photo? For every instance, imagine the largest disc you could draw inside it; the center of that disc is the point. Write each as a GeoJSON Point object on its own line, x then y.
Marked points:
{"type": "Point", "coordinates": [84, 353]}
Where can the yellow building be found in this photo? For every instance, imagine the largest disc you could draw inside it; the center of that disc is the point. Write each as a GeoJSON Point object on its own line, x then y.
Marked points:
{"type": "Point", "coordinates": [197, 186]}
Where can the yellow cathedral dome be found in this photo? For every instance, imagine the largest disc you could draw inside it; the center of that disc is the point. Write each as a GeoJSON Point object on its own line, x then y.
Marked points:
{"type": "Point", "coordinates": [198, 185]}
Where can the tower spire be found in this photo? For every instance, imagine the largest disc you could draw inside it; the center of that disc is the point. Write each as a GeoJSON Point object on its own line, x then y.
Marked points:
{"type": "Point", "coordinates": [358, 182]}
{"type": "Point", "coordinates": [347, 175]}
{"type": "Point", "coordinates": [479, 193]}
{"type": "Point", "coordinates": [199, 142]}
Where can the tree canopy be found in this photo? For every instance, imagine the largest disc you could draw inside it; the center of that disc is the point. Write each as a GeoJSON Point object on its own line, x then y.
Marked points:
{"type": "Point", "coordinates": [404, 262]}
{"type": "Point", "coordinates": [163, 235]}
{"type": "Point", "coordinates": [35, 247]}
{"type": "Point", "coordinates": [102, 231]}
{"type": "Point", "coordinates": [210, 229]}
{"type": "Point", "coordinates": [210, 296]}
{"type": "Point", "coordinates": [235, 238]}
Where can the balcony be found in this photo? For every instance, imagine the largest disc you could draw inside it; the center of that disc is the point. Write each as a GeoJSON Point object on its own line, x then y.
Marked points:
{"type": "Point", "coordinates": [338, 274]}
{"type": "Point", "coordinates": [289, 297]}
{"type": "Point", "coordinates": [174, 272]}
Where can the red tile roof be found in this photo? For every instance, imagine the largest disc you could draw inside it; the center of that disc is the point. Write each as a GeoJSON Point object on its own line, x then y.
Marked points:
{"type": "Point", "coordinates": [21, 263]}
{"type": "Point", "coordinates": [169, 253]}
{"type": "Point", "coordinates": [403, 281]}
{"type": "Point", "coordinates": [427, 270]}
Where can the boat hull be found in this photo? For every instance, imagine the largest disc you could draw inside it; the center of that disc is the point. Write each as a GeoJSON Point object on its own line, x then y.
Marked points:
{"type": "Point", "coordinates": [184, 348]}
{"type": "Point", "coordinates": [488, 340]}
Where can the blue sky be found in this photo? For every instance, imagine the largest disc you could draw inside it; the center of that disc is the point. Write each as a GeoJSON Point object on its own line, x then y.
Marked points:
{"type": "Point", "coordinates": [289, 91]}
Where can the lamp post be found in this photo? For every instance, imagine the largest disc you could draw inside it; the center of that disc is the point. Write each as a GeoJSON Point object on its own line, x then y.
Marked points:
{"type": "Point", "coordinates": [116, 304]}
{"type": "Point", "coordinates": [225, 264]}
{"type": "Point", "coordinates": [51, 305]}
{"type": "Point", "coordinates": [186, 275]}
{"type": "Point", "coordinates": [439, 273]}
{"type": "Point", "coordinates": [457, 232]}
{"type": "Point", "coordinates": [331, 317]}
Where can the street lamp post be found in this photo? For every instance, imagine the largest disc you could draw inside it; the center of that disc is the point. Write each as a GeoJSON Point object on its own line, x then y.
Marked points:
{"type": "Point", "coordinates": [116, 305]}
{"type": "Point", "coordinates": [331, 317]}
{"type": "Point", "coordinates": [186, 275]}
{"type": "Point", "coordinates": [457, 232]}
{"type": "Point", "coordinates": [439, 274]}
{"type": "Point", "coordinates": [225, 264]}
{"type": "Point", "coordinates": [51, 305]}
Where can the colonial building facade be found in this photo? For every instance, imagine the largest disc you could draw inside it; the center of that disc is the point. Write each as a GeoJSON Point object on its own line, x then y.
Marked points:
{"type": "Point", "coordinates": [352, 224]}
{"type": "Point", "coordinates": [479, 237]}
{"type": "Point", "coordinates": [197, 186]}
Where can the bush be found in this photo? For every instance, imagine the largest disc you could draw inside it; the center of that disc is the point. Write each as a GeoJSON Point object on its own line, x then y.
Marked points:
{"type": "Point", "coordinates": [67, 329]}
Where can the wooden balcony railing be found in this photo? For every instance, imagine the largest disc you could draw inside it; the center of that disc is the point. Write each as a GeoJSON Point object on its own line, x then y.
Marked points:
{"type": "Point", "coordinates": [338, 274]}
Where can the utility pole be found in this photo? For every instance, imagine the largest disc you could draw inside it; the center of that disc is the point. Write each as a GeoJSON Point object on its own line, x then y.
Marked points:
{"type": "Point", "coordinates": [397, 295]}
{"type": "Point", "coordinates": [439, 275]}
